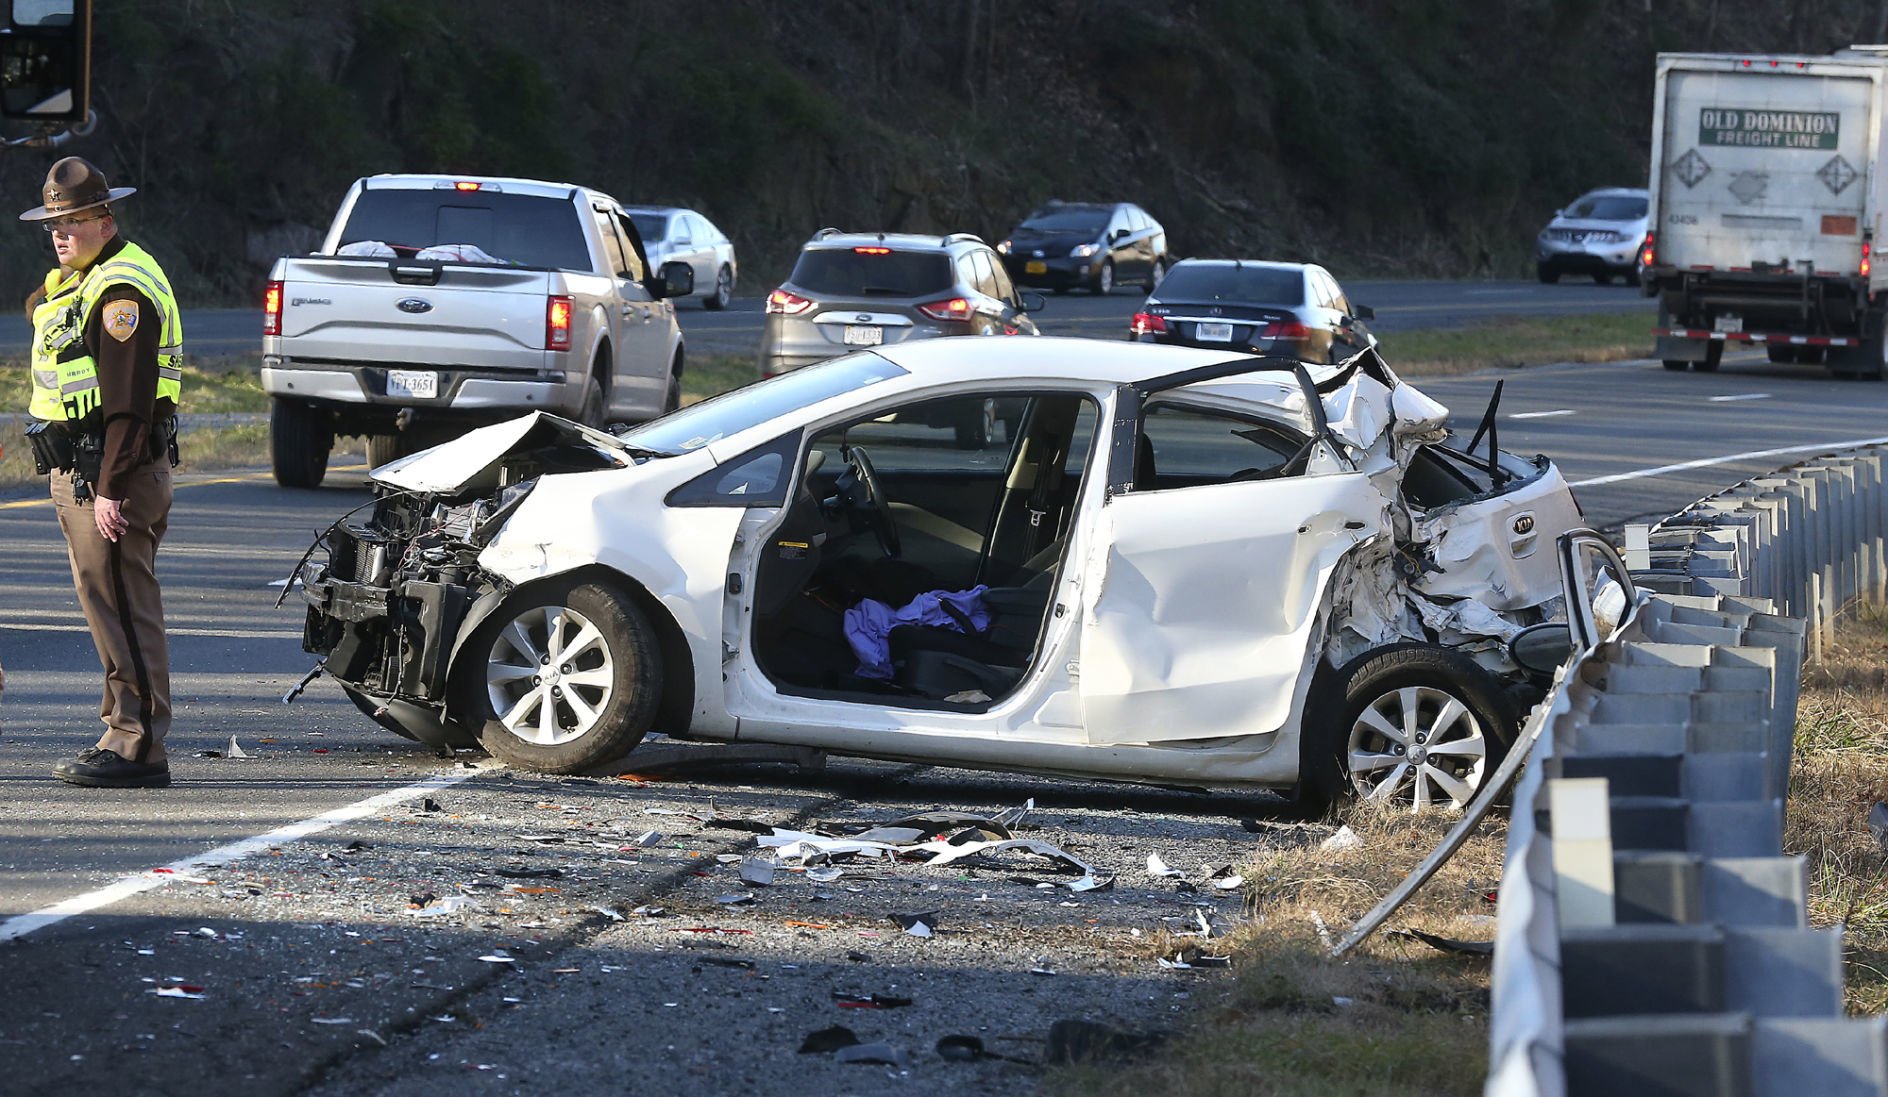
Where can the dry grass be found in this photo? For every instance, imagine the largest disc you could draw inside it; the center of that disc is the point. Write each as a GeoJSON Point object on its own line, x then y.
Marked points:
{"type": "Point", "coordinates": [1840, 771]}
{"type": "Point", "coordinates": [1520, 342]}
{"type": "Point", "coordinates": [1395, 1017]}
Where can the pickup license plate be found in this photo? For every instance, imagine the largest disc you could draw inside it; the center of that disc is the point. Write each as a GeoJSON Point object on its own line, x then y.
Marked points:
{"type": "Point", "coordinates": [417, 383]}
{"type": "Point", "coordinates": [1729, 323]}
{"type": "Point", "coordinates": [864, 335]}
{"type": "Point", "coordinates": [1213, 333]}
{"type": "Point", "coordinates": [1035, 266]}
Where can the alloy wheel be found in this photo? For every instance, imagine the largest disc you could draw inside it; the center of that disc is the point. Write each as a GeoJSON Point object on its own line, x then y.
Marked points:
{"type": "Point", "coordinates": [1417, 745]}
{"type": "Point", "coordinates": [550, 675]}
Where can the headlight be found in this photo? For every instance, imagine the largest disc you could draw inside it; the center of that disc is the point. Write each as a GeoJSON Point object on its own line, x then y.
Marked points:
{"type": "Point", "coordinates": [1003, 248]}
{"type": "Point", "coordinates": [1083, 251]}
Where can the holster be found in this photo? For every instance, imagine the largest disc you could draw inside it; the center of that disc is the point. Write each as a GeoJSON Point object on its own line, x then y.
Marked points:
{"type": "Point", "coordinates": [164, 440]}
{"type": "Point", "coordinates": [88, 456]}
{"type": "Point", "coordinates": [53, 450]}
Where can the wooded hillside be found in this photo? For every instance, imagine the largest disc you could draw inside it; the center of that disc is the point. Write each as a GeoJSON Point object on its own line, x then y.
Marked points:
{"type": "Point", "coordinates": [1381, 137]}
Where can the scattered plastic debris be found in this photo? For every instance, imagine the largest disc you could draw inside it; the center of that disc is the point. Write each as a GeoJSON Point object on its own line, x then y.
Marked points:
{"type": "Point", "coordinates": [331, 1020]}
{"type": "Point", "coordinates": [530, 873]}
{"type": "Point", "coordinates": [1158, 868]}
{"type": "Point", "coordinates": [969, 1049]}
{"type": "Point", "coordinates": [1448, 944]}
{"type": "Point", "coordinates": [178, 990]}
{"type": "Point", "coordinates": [869, 1001]}
{"type": "Point", "coordinates": [1344, 839]}
{"type": "Point", "coordinates": [742, 899]}
{"type": "Point", "coordinates": [824, 874]}
{"type": "Point", "coordinates": [499, 957]}
{"type": "Point", "coordinates": [758, 871]}
{"type": "Point", "coordinates": [234, 750]}
{"type": "Point", "coordinates": [917, 925]}
{"type": "Point", "coordinates": [451, 904]}
{"type": "Point", "coordinates": [871, 1053]}
{"type": "Point", "coordinates": [828, 1040]}
{"type": "Point", "coordinates": [649, 838]}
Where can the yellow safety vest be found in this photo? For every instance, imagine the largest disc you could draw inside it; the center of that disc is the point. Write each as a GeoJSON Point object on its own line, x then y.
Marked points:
{"type": "Point", "coordinates": [65, 375]}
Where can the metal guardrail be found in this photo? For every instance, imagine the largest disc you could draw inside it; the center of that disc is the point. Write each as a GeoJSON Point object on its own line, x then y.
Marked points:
{"type": "Point", "coordinates": [1652, 939]}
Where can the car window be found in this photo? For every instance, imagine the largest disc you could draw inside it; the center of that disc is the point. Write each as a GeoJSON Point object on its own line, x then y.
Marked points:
{"type": "Point", "coordinates": [1067, 220]}
{"type": "Point", "coordinates": [699, 227]}
{"type": "Point", "coordinates": [635, 249]}
{"type": "Point", "coordinates": [869, 271]}
{"type": "Point", "coordinates": [967, 272]}
{"type": "Point", "coordinates": [920, 437]}
{"type": "Point", "coordinates": [1326, 288]}
{"type": "Point", "coordinates": [756, 478]}
{"type": "Point", "coordinates": [1187, 446]}
{"type": "Point", "coordinates": [515, 229]}
{"type": "Point", "coordinates": [652, 227]}
{"type": "Point", "coordinates": [1005, 289]}
{"type": "Point", "coordinates": [751, 405]}
{"type": "Point", "coordinates": [1608, 207]}
{"type": "Point", "coordinates": [1339, 299]}
{"type": "Point", "coordinates": [1249, 285]}
{"type": "Point", "coordinates": [614, 250]}
{"type": "Point", "coordinates": [986, 274]}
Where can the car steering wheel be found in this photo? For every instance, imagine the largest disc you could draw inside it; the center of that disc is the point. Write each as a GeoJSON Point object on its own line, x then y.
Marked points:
{"type": "Point", "coordinates": [880, 511]}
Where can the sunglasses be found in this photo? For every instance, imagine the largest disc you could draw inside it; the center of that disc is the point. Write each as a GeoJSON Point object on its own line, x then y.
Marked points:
{"type": "Point", "coordinates": [65, 225]}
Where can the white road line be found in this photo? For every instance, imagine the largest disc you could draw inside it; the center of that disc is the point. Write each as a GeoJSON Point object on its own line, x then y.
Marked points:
{"type": "Point", "coordinates": [1541, 414]}
{"type": "Point", "coordinates": [125, 887]}
{"type": "Point", "coordinates": [1640, 474]}
{"type": "Point", "coordinates": [1739, 396]}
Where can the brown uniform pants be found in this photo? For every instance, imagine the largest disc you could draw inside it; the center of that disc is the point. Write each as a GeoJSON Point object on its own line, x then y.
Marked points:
{"type": "Point", "coordinates": [117, 587]}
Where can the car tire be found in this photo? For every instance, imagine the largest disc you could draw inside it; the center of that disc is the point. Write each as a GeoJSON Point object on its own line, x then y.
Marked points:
{"type": "Point", "coordinates": [672, 393]}
{"type": "Point", "coordinates": [300, 439]}
{"type": "Point", "coordinates": [602, 638]}
{"type": "Point", "coordinates": [1676, 365]}
{"type": "Point", "coordinates": [724, 290]}
{"type": "Point", "coordinates": [386, 448]}
{"type": "Point", "coordinates": [979, 432]}
{"type": "Point", "coordinates": [1154, 275]}
{"type": "Point", "coordinates": [1104, 281]}
{"type": "Point", "coordinates": [1631, 275]}
{"type": "Point", "coordinates": [1781, 355]}
{"type": "Point", "coordinates": [595, 404]}
{"type": "Point", "coordinates": [1547, 274]}
{"type": "Point", "coordinates": [1602, 277]}
{"type": "Point", "coordinates": [1422, 695]}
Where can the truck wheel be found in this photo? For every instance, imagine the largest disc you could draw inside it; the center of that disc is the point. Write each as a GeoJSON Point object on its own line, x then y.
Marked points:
{"type": "Point", "coordinates": [723, 292]}
{"type": "Point", "coordinates": [562, 678]}
{"type": "Point", "coordinates": [1676, 365]}
{"type": "Point", "coordinates": [300, 438]}
{"type": "Point", "coordinates": [1781, 354]}
{"type": "Point", "coordinates": [386, 448]}
{"type": "Point", "coordinates": [1713, 357]}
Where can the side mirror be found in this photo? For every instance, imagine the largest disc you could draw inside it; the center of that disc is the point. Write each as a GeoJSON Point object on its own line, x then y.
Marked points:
{"type": "Point", "coordinates": [677, 279]}
{"type": "Point", "coordinates": [1365, 312]}
{"type": "Point", "coordinates": [1030, 301]}
{"type": "Point", "coordinates": [45, 60]}
{"type": "Point", "coordinates": [1541, 649]}
{"type": "Point", "coordinates": [1118, 234]}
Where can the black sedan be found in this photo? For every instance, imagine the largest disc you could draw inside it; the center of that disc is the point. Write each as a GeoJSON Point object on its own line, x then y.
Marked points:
{"type": "Point", "coordinates": [1093, 245]}
{"type": "Point", "coordinates": [1294, 310]}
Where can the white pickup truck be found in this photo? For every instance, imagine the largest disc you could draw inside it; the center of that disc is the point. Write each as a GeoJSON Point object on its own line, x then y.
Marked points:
{"type": "Point", "coordinates": [439, 303]}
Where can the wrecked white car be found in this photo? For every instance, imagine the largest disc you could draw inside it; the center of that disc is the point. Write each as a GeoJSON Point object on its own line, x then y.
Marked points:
{"type": "Point", "coordinates": [1184, 567]}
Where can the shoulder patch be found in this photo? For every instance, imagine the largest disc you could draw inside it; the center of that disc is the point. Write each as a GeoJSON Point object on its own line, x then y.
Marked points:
{"type": "Point", "coordinates": [119, 319]}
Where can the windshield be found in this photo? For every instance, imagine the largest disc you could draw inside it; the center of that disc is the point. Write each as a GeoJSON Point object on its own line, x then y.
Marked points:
{"type": "Point", "coordinates": [514, 229]}
{"type": "Point", "coordinates": [1608, 207]}
{"type": "Point", "coordinates": [652, 227]}
{"type": "Point", "coordinates": [1068, 220]}
{"type": "Point", "coordinates": [849, 272]}
{"type": "Point", "coordinates": [751, 405]}
{"type": "Point", "coordinates": [1248, 285]}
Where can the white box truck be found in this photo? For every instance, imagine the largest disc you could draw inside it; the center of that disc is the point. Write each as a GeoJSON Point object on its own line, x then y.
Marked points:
{"type": "Point", "coordinates": [1766, 203]}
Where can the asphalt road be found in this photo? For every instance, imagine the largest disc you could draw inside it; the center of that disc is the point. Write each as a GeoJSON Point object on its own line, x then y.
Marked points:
{"type": "Point", "coordinates": [1400, 306]}
{"type": "Point", "coordinates": [317, 976]}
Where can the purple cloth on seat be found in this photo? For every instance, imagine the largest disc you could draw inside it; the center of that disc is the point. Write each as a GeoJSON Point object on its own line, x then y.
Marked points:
{"type": "Point", "coordinates": [869, 624]}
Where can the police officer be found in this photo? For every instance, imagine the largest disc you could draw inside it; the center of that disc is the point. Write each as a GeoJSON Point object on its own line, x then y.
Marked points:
{"type": "Point", "coordinates": [107, 378]}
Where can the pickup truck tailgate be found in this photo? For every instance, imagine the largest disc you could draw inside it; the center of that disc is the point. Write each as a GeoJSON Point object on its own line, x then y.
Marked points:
{"type": "Point", "coordinates": [403, 312]}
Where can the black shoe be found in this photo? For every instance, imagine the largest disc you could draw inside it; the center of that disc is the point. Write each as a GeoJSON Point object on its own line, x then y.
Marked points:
{"type": "Point", "coordinates": [98, 768]}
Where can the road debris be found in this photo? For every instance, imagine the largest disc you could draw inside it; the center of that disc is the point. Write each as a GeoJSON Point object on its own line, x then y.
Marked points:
{"type": "Point", "coordinates": [1344, 839]}
{"type": "Point", "coordinates": [969, 1049]}
{"type": "Point", "coordinates": [884, 1054]}
{"type": "Point", "coordinates": [917, 925]}
{"type": "Point", "coordinates": [869, 1001]}
{"type": "Point", "coordinates": [1447, 944]}
{"type": "Point", "coordinates": [1158, 868]}
{"type": "Point", "coordinates": [828, 1040]}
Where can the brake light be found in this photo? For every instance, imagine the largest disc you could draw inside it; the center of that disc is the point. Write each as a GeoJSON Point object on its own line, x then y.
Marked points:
{"type": "Point", "coordinates": [1287, 329]}
{"type": "Point", "coordinates": [1145, 322]}
{"type": "Point", "coordinates": [955, 308]}
{"type": "Point", "coordinates": [465, 184]}
{"type": "Point", "coordinates": [1649, 251]}
{"type": "Point", "coordinates": [871, 251]}
{"type": "Point", "coordinates": [272, 309]}
{"type": "Point", "coordinates": [782, 303]}
{"type": "Point", "coordinates": [557, 323]}
{"type": "Point", "coordinates": [1866, 249]}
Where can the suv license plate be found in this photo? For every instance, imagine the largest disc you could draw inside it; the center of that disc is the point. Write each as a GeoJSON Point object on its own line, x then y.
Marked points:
{"type": "Point", "coordinates": [1035, 266]}
{"type": "Point", "coordinates": [864, 335]}
{"type": "Point", "coordinates": [419, 384]}
{"type": "Point", "coordinates": [1213, 333]}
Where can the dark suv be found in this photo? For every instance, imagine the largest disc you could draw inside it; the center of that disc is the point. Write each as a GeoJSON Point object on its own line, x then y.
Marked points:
{"type": "Point", "coordinates": [851, 290]}
{"type": "Point", "coordinates": [1095, 245]}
